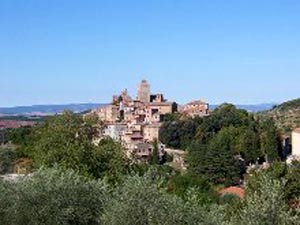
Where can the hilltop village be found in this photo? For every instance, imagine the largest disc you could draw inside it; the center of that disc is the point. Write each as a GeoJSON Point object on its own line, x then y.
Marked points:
{"type": "Point", "coordinates": [135, 122]}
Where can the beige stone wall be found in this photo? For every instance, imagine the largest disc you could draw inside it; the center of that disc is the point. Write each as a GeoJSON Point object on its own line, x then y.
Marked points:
{"type": "Point", "coordinates": [144, 91]}
{"type": "Point", "coordinates": [163, 108]}
{"type": "Point", "coordinates": [296, 143]}
{"type": "Point", "coordinates": [151, 132]}
{"type": "Point", "coordinates": [108, 113]}
{"type": "Point", "coordinates": [196, 108]}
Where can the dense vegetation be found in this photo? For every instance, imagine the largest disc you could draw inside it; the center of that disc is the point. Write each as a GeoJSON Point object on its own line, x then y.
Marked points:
{"type": "Point", "coordinates": [76, 180]}
{"type": "Point", "coordinates": [24, 118]}
{"type": "Point", "coordinates": [285, 115]}
{"type": "Point", "coordinates": [221, 145]}
{"type": "Point", "coordinates": [63, 197]}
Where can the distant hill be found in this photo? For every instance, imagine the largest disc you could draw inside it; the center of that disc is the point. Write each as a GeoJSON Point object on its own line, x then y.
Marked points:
{"type": "Point", "coordinates": [41, 110]}
{"type": "Point", "coordinates": [252, 108]}
{"type": "Point", "coordinates": [286, 115]}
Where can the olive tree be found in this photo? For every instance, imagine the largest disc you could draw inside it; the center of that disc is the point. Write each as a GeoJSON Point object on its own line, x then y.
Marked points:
{"type": "Point", "coordinates": [52, 196]}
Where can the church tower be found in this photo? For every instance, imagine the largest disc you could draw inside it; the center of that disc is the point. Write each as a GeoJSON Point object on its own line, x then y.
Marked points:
{"type": "Point", "coordinates": [144, 92]}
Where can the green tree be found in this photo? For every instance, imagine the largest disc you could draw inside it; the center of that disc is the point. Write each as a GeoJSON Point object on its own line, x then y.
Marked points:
{"type": "Point", "coordinates": [217, 159]}
{"type": "Point", "coordinates": [64, 140]}
{"type": "Point", "coordinates": [179, 133]}
{"type": "Point", "coordinates": [248, 144]}
{"type": "Point", "coordinates": [109, 160]}
{"type": "Point", "coordinates": [52, 196]}
{"type": "Point", "coordinates": [155, 155]}
{"type": "Point", "coordinates": [292, 185]}
{"type": "Point", "coordinates": [7, 156]}
{"type": "Point", "coordinates": [265, 205]}
{"type": "Point", "coordinates": [67, 140]}
{"type": "Point", "coordinates": [169, 134]}
{"type": "Point", "coordinates": [269, 140]}
{"type": "Point", "coordinates": [141, 201]}
{"type": "Point", "coordinates": [20, 136]}
{"type": "Point", "coordinates": [224, 116]}
{"type": "Point", "coordinates": [180, 185]}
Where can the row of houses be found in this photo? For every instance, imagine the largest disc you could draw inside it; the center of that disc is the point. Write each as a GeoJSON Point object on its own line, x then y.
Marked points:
{"type": "Point", "coordinates": [136, 122]}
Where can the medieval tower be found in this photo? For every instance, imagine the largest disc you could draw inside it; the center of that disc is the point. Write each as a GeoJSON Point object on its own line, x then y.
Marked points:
{"type": "Point", "coordinates": [144, 92]}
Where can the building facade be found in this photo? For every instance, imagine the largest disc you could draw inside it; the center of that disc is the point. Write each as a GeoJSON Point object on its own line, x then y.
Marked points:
{"type": "Point", "coordinates": [144, 92]}
{"type": "Point", "coordinates": [195, 108]}
{"type": "Point", "coordinates": [296, 142]}
{"type": "Point", "coordinates": [136, 122]}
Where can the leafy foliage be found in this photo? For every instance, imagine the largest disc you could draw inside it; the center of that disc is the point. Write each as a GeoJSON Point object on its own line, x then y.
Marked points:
{"type": "Point", "coordinates": [265, 205]}
{"type": "Point", "coordinates": [219, 147]}
{"type": "Point", "coordinates": [178, 133]}
{"type": "Point", "coordinates": [67, 140]}
{"type": "Point", "coordinates": [20, 136]}
{"type": "Point", "coordinates": [216, 160]}
{"type": "Point", "coordinates": [140, 201]}
{"type": "Point", "coordinates": [7, 156]}
{"type": "Point", "coordinates": [286, 115]}
{"type": "Point", "coordinates": [181, 184]}
{"type": "Point", "coordinates": [108, 160]}
{"type": "Point", "coordinates": [55, 196]}
{"type": "Point", "coordinates": [52, 196]}
{"type": "Point", "coordinates": [269, 140]}
{"type": "Point", "coordinates": [222, 144]}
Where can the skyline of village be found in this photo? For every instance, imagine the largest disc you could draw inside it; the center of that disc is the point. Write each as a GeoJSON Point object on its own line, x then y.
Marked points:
{"type": "Point", "coordinates": [149, 112]}
{"type": "Point", "coordinates": [136, 121]}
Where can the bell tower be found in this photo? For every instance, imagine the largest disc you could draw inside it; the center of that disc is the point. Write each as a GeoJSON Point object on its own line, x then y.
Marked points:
{"type": "Point", "coordinates": [144, 92]}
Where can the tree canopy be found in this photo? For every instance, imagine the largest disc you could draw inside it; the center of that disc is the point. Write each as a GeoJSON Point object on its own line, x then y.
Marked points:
{"type": "Point", "coordinates": [222, 144]}
{"type": "Point", "coordinates": [67, 140]}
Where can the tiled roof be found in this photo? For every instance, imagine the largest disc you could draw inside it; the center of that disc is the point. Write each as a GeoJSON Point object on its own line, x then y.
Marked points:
{"type": "Point", "coordinates": [238, 191]}
{"type": "Point", "coordinates": [200, 102]}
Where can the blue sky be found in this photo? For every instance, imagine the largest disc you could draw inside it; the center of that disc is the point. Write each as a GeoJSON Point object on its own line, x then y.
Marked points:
{"type": "Point", "coordinates": [65, 51]}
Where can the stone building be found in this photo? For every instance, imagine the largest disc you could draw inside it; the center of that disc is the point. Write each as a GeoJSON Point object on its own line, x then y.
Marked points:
{"type": "Point", "coordinates": [144, 91]}
{"type": "Point", "coordinates": [151, 132]}
{"type": "Point", "coordinates": [108, 113]}
{"type": "Point", "coordinates": [296, 142]}
{"type": "Point", "coordinates": [195, 108]}
{"type": "Point", "coordinates": [115, 131]}
{"type": "Point", "coordinates": [158, 107]}
{"type": "Point", "coordinates": [157, 98]}
{"type": "Point", "coordinates": [141, 151]}
{"type": "Point", "coordinates": [135, 123]}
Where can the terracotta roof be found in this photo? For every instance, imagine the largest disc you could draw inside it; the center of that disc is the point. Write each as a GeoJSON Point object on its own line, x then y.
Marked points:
{"type": "Point", "coordinates": [200, 102]}
{"type": "Point", "coordinates": [238, 191]}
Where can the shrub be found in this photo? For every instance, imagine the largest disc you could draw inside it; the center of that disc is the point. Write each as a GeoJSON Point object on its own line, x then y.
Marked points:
{"type": "Point", "coordinates": [52, 197]}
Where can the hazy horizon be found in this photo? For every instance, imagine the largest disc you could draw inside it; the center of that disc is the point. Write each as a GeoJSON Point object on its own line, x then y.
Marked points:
{"type": "Point", "coordinates": [63, 51]}
{"type": "Point", "coordinates": [83, 103]}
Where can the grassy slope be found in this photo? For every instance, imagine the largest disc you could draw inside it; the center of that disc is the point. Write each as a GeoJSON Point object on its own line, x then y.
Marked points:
{"type": "Point", "coordinates": [286, 115]}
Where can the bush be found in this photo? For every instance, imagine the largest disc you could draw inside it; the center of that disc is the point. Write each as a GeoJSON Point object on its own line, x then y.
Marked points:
{"type": "Point", "coordinates": [7, 156]}
{"type": "Point", "coordinates": [52, 197]}
{"type": "Point", "coordinates": [182, 183]}
{"type": "Point", "coordinates": [141, 200]}
{"type": "Point", "coordinates": [265, 205]}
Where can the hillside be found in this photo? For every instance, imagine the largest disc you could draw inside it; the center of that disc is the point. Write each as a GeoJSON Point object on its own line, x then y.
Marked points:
{"type": "Point", "coordinates": [251, 107]}
{"type": "Point", "coordinates": [286, 115]}
{"type": "Point", "coordinates": [47, 109]}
